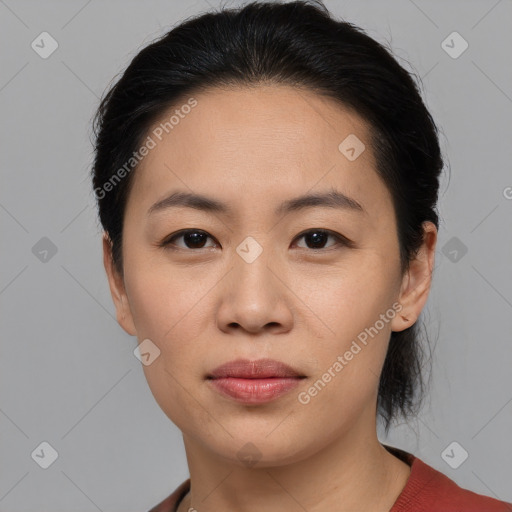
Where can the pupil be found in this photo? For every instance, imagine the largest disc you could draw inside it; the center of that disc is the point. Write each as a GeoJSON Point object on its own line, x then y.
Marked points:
{"type": "Point", "coordinates": [194, 238]}
{"type": "Point", "coordinates": [317, 238]}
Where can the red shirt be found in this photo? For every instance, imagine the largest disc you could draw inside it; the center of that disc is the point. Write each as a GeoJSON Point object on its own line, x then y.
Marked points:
{"type": "Point", "coordinates": [426, 490]}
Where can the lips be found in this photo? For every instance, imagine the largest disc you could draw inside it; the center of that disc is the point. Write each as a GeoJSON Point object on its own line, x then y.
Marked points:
{"type": "Point", "coordinates": [260, 369]}
{"type": "Point", "coordinates": [254, 382]}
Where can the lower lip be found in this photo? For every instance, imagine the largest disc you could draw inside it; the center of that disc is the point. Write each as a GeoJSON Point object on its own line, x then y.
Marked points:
{"type": "Point", "coordinates": [255, 391]}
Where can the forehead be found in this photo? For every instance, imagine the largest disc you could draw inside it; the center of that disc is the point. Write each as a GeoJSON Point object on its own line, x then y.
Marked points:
{"type": "Point", "coordinates": [292, 122]}
{"type": "Point", "coordinates": [258, 142]}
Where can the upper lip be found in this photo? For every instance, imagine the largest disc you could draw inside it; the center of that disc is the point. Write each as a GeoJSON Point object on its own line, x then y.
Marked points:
{"type": "Point", "coordinates": [259, 369]}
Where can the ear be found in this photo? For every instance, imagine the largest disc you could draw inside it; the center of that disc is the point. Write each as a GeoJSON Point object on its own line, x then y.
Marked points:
{"type": "Point", "coordinates": [117, 289]}
{"type": "Point", "coordinates": [416, 281]}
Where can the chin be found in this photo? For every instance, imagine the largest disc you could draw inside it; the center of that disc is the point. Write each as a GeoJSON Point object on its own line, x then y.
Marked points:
{"type": "Point", "coordinates": [261, 450]}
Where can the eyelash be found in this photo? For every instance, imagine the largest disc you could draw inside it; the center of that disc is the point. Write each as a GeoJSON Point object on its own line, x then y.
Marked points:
{"type": "Point", "coordinates": [342, 241]}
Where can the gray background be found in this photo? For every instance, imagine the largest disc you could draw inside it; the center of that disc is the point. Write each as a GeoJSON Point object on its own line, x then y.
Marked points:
{"type": "Point", "coordinates": [68, 375]}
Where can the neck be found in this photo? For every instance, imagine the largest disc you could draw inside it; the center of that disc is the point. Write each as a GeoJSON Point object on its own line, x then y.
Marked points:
{"type": "Point", "coordinates": [353, 472]}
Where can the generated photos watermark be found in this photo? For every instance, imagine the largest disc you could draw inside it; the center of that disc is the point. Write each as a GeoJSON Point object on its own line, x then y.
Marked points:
{"type": "Point", "coordinates": [341, 361]}
{"type": "Point", "coordinates": [151, 141]}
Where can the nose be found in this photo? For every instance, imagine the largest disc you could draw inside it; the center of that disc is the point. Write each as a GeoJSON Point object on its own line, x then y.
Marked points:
{"type": "Point", "coordinates": [254, 297]}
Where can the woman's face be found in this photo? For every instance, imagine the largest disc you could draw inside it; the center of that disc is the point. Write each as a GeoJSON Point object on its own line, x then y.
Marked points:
{"type": "Point", "coordinates": [255, 281]}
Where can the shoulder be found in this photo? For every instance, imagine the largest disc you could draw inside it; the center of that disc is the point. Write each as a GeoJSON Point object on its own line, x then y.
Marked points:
{"type": "Point", "coordinates": [170, 503]}
{"type": "Point", "coordinates": [428, 489]}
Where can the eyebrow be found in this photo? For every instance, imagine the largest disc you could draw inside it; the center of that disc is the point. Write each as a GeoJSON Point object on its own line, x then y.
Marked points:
{"type": "Point", "coordinates": [329, 199]}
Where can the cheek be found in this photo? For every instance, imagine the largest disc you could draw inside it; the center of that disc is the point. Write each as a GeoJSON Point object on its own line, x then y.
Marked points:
{"type": "Point", "coordinates": [164, 309]}
{"type": "Point", "coordinates": [340, 304]}
{"type": "Point", "coordinates": [347, 370]}
{"type": "Point", "coordinates": [351, 313]}
{"type": "Point", "coordinates": [163, 301]}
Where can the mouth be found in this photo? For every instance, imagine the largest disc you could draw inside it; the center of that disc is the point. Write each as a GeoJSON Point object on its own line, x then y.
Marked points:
{"type": "Point", "coordinates": [254, 382]}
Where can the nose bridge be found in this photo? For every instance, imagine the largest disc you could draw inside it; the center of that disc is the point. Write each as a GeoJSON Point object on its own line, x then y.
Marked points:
{"type": "Point", "coordinates": [253, 297]}
{"type": "Point", "coordinates": [251, 260]}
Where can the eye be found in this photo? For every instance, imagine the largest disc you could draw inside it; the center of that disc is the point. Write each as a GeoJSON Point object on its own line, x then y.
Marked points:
{"type": "Point", "coordinates": [196, 239]}
{"type": "Point", "coordinates": [193, 238]}
{"type": "Point", "coordinates": [318, 237]}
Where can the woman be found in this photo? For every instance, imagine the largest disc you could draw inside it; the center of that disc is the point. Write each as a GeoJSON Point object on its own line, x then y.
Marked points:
{"type": "Point", "coordinates": [267, 181]}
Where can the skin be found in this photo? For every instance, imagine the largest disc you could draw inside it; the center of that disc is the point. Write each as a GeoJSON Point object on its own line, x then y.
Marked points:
{"type": "Point", "coordinates": [253, 148]}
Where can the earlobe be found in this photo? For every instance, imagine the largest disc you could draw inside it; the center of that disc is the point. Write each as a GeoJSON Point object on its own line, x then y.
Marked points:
{"type": "Point", "coordinates": [416, 281]}
{"type": "Point", "coordinates": [401, 322]}
{"type": "Point", "coordinates": [117, 289]}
